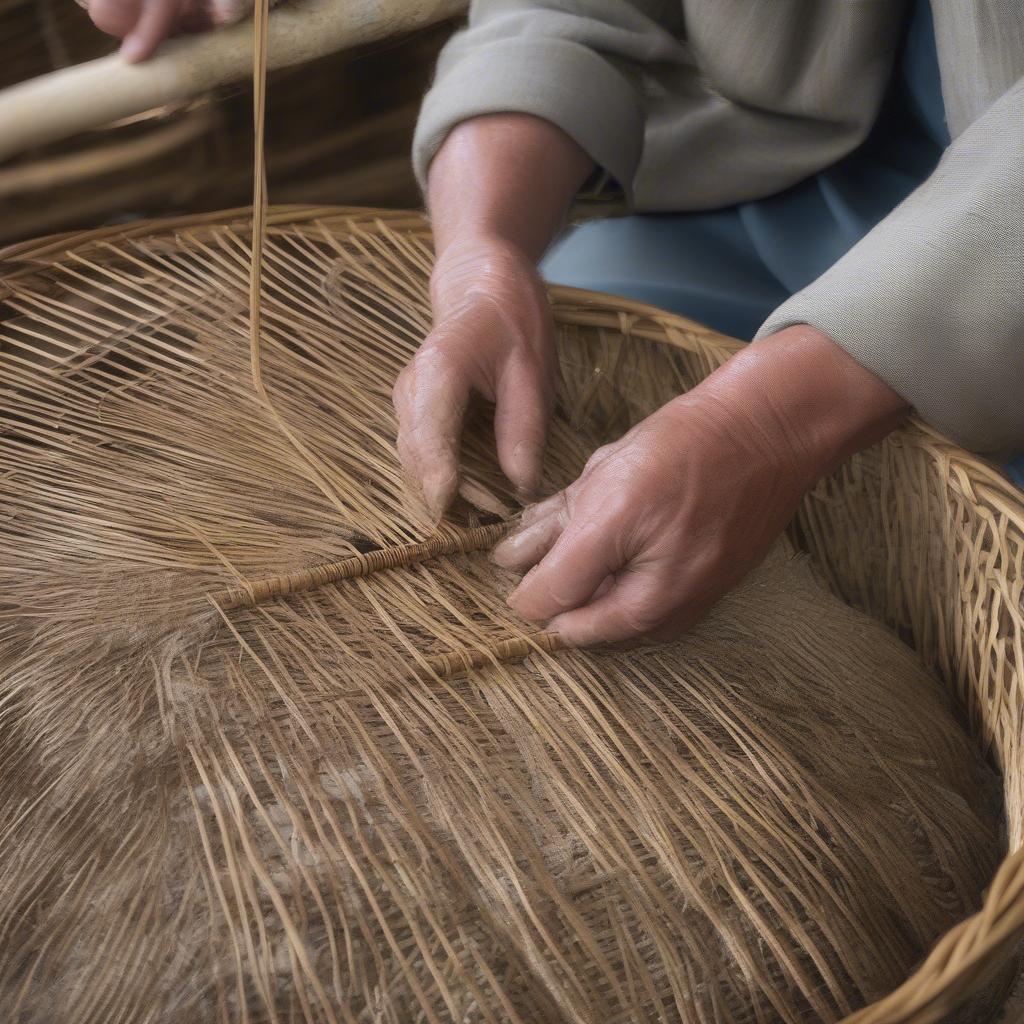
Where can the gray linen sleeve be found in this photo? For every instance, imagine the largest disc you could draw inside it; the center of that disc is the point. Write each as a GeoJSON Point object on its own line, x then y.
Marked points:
{"type": "Point", "coordinates": [932, 300]}
{"type": "Point", "coordinates": [567, 61]}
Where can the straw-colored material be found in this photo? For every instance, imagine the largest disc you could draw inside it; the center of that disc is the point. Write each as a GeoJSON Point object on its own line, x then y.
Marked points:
{"type": "Point", "coordinates": [356, 801]}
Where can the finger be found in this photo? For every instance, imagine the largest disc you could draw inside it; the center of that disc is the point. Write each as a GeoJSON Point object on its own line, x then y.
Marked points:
{"type": "Point", "coordinates": [542, 509]}
{"type": "Point", "coordinates": [570, 573]}
{"type": "Point", "coordinates": [152, 28]}
{"type": "Point", "coordinates": [115, 17]}
{"type": "Point", "coordinates": [431, 401]}
{"type": "Point", "coordinates": [196, 15]}
{"type": "Point", "coordinates": [533, 539]}
{"type": "Point", "coordinates": [627, 610]}
{"type": "Point", "coordinates": [227, 12]}
{"type": "Point", "coordinates": [523, 408]}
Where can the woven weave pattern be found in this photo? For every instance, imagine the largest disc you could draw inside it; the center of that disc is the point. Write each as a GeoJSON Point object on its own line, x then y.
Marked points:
{"type": "Point", "coordinates": [267, 756]}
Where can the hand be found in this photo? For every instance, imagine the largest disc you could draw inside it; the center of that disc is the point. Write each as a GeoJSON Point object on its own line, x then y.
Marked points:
{"type": "Point", "coordinates": [663, 522]}
{"type": "Point", "coordinates": [492, 336]}
{"type": "Point", "coordinates": [144, 24]}
{"type": "Point", "coordinates": [499, 186]}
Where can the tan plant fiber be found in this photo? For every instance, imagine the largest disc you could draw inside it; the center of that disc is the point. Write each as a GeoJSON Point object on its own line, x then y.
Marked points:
{"type": "Point", "coordinates": [273, 749]}
{"type": "Point", "coordinates": [279, 751]}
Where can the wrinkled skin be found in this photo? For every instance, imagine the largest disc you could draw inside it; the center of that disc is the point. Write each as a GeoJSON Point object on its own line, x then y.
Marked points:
{"type": "Point", "coordinates": [144, 24]}
{"type": "Point", "coordinates": [660, 524]}
{"type": "Point", "coordinates": [667, 519]}
{"type": "Point", "coordinates": [493, 336]}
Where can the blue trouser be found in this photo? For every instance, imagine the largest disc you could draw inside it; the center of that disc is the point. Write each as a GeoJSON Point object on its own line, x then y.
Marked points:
{"type": "Point", "coordinates": [730, 268]}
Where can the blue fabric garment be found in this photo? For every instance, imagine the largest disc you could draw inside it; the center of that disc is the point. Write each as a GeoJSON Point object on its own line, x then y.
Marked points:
{"type": "Point", "coordinates": [730, 268]}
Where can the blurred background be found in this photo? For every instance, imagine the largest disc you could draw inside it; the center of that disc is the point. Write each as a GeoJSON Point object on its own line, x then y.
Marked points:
{"type": "Point", "coordinates": [338, 131]}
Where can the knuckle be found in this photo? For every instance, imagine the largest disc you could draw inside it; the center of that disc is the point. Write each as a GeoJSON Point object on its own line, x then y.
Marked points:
{"type": "Point", "coordinates": [607, 458]}
{"type": "Point", "coordinates": [595, 459]}
{"type": "Point", "coordinates": [641, 619]}
{"type": "Point", "coordinates": [431, 356]}
{"type": "Point", "coordinates": [429, 368]}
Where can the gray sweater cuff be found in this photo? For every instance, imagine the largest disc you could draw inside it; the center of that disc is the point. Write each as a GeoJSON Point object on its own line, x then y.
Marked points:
{"type": "Point", "coordinates": [562, 82]}
{"type": "Point", "coordinates": [932, 300]}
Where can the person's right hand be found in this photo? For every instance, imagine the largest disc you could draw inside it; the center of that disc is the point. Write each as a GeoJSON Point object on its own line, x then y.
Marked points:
{"type": "Point", "coordinates": [493, 335]}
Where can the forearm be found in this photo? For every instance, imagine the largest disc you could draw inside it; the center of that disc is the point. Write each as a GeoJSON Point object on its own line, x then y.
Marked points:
{"type": "Point", "coordinates": [508, 178]}
{"type": "Point", "coordinates": [809, 403]}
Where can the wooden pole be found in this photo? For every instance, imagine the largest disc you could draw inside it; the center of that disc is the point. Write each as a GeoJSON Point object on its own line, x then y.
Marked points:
{"type": "Point", "coordinates": [71, 100]}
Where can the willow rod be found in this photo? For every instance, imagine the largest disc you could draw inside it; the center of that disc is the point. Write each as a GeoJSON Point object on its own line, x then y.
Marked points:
{"type": "Point", "coordinates": [514, 649]}
{"type": "Point", "coordinates": [249, 595]}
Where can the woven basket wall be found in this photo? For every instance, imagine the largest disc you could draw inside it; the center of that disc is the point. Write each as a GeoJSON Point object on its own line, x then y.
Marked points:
{"type": "Point", "coordinates": [921, 535]}
{"type": "Point", "coordinates": [339, 130]}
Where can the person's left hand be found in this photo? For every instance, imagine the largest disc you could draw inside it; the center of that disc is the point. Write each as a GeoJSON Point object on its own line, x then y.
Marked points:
{"type": "Point", "coordinates": [663, 522]}
{"type": "Point", "coordinates": [144, 24]}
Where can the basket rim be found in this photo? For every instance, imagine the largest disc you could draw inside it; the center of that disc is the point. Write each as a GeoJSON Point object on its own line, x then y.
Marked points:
{"type": "Point", "coordinates": [961, 957]}
{"type": "Point", "coordinates": [979, 477]}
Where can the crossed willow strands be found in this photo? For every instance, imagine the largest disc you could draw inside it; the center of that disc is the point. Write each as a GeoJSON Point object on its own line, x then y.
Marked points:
{"type": "Point", "coordinates": [478, 538]}
{"type": "Point", "coordinates": [927, 539]}
{"type": "Point", "coordinates": [174, 283]}
{"type": "Point", "coordinates": [951, 960]}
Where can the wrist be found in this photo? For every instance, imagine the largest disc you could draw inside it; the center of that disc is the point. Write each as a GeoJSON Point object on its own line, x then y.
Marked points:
{"type": "Point", "coordinates": [816, 402]}
{"type": "Point", "coordinates": [475, 263]}
{"type": "Point", "coordinates": [509, 176]}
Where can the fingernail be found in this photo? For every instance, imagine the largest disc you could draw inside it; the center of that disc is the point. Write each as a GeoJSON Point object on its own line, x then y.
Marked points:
{"type": "Point", "coordinates": [527, 457]}
{"type": "Point", "coordinates": [505, 553]}
{"type": "Point", "coordinates": [133, 50]}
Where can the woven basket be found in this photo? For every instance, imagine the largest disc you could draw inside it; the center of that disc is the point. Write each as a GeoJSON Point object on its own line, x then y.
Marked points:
{"type": "Point", "coordinates": [923, 536]}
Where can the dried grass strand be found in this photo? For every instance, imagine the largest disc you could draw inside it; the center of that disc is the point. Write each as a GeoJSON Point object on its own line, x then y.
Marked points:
{"type": "Point", "coordinates": [360, 797]}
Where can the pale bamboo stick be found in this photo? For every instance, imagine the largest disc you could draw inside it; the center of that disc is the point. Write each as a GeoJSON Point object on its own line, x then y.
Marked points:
{"type": "Point", "coordinates": [76, 99]}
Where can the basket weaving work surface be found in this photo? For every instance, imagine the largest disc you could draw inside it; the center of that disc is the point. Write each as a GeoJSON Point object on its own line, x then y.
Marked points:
{"type": "Point", "coordinates": [313, 744]}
